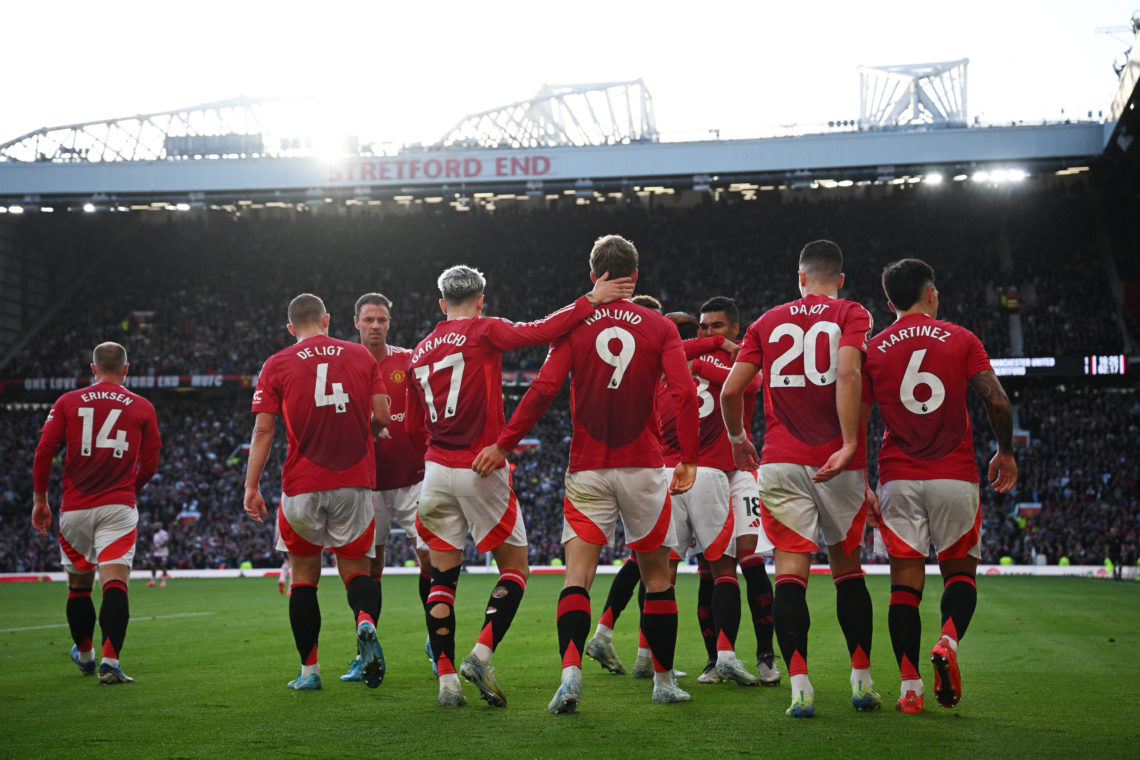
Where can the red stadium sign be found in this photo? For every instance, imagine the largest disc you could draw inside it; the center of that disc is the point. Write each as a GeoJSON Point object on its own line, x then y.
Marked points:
{"type": "Point", "coordinates": [363, 170]}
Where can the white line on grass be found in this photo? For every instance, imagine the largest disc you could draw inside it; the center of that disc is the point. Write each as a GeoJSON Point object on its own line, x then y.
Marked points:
{"type": "Point", "coordinates": [133, 620]}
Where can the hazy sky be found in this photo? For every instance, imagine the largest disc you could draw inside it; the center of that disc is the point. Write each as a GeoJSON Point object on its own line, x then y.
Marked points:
{"type": "Point", "coordinates": [409, 71]}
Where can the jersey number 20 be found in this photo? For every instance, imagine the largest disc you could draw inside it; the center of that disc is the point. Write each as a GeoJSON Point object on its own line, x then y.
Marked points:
{"type": "Point", "coordinates": [804, 344]}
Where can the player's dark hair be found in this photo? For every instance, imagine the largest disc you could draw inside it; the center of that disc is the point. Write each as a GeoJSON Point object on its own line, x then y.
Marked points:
{"type": "Point", "coordinates": [613, 254]}
{"type": "Point", "coordinates": [648, 302]}
{"type": "Point", "coordinates": [375, 299]}
{"type": "Point", "coordinates": [306, 309]}
{"type": "Point", "coordinates": [460, 283]}
{"type": "Point", "coordinates": [821, 260]}
{"type": "Point", "coordinates": [905, 280]}
{"type": "Point", "coordinates": [725, 304]}
{"type": "Point", "coordinates": [109, 357]}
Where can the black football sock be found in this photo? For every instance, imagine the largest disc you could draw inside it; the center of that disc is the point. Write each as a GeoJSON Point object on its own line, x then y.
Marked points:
{"type": "Point", "coordinates": [853, 608]}
{"type": "Point", "coordinates": [81, 617]}
{"type": "Point", "coordinates": [114, 614]}
{"type": "Point", "coordinates": [441, 624]}
{"type": "Point", "coordinates": [726, 611]}
{"type": "Point", "coordinates": [705, 618]}
{"type": "Point", "coordinates": [905, 625]}
{"type": "Point", "coordinates": [621, 591]}
{"type": "Point", "coordinates": [792, 621]}
{"type": "Point", "coordinates": [305, 619]}
{"type": "Point", "coordinates": [425, 585]}
{"type": "Point", "coordinates": [758, 587]}
{"type": "Point", "coordinates": [959, 600]}
{"type": "Point", "coordinates": [573, 624]}
{"type": "Point", "coordinates": [501, 608]}
{"type": "Point", "coordinates": [659, 624]}
{"type": "Point", "coordinates": [363, 594]}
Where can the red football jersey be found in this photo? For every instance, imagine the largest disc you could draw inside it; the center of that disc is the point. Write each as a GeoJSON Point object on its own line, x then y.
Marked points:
{"type": "Point", "coordinates": [919, 369]}
{"type": "Point", "coordinates": [112, 446]}
{"type": "Point", "coordinates": [797, 347]}
{"type": "Point", "coordinates": [717, 372]}
{"type": "Point", "coordinates": [615, 359]}
{"type": "Point", "coordinates": [399, 452]}
{"type": "Point", "coordinates": [716, 449]}
{"type": "Point", "coordinates": [457, 378]}
{"type": "Point", "coordinates": [322, 388]}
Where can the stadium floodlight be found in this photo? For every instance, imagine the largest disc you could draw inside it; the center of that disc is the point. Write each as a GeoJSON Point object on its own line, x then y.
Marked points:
{"type": "Point", "coordinates": [934, 178]}
{"type": "Point", "coordinates": [15, 209]}
{"type": "Point", "coordinates": [982, 176]}
{"type": "Point", "coordinates": [913, 94]}
{"type": "Point", "coordinates": [1016, 175]}
{"type": "Point", "coordinates": [609, 113]}
{"type": "Point", "coordinates": [182, 206]}
{"type": "Point", "coordinates": [89, 208]}
{"type": "Point", "coordinates": [961, 177]}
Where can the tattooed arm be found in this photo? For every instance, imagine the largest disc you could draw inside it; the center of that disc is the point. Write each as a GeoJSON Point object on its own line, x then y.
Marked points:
{"type": "Point", "coordinates": [1003, 467]}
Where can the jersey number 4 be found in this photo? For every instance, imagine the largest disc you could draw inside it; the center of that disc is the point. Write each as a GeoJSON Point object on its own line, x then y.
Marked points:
{"type": "Point", "coordinates": [337, 398]}
{"type": "Point", "coordinates": [118, 444]}
{"type": "Point", "coordinates": [456, 363]}
{"type": "Point", "coordinates": [804, 343]}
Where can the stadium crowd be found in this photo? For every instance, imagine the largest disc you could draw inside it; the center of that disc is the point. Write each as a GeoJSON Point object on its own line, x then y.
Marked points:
{"type": "Point", "coordinates": [207, 293]}
{"type": "Point", "coordinates": [1079, 468]}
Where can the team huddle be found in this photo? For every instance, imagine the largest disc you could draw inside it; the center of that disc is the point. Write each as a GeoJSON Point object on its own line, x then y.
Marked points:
{"type": "Point", "coordinates": [661, 438]}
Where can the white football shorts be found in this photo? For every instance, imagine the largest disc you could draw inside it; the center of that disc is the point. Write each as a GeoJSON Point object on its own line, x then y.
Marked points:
{"type": "Point", "coordinates": [639, 495]}
{"type": "Point", "coordinates": [456, 501]}
{"type": "Point", "coordinates": [96, 536]}
{"type": "Point", "coordinates": [943, 512]}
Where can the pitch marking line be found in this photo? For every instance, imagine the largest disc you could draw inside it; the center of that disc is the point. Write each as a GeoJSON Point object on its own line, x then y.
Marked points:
{"type": "Point", "coordinates": [133, 620]}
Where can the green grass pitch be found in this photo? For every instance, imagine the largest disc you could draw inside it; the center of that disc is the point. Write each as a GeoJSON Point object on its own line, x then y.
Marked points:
{"type": "Point", "coordinates": [1049, 667]}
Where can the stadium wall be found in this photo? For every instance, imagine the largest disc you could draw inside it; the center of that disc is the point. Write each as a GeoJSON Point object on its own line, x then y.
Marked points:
{"type": "Point", "coordinates": [1082, 571]}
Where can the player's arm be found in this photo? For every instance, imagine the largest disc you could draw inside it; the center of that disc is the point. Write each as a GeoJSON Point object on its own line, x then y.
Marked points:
{"type": "Point", "coordinates": [259, 446]}
{"type": "Point", "coordinates": [695, 347]}
{"type": "Point", "coordinates": [1003, 466]}
{"type": "Point", "coordinates": [684, 392]}
{"type": "Point", "coordinates": [534, 402]}
{"type": "Point", "coordinates": [739, 380]}
{"type": "Point", "coordinates": [50, 438]}
{"type": "Point", "coordinates": [381, 414]}
{"type": "Point", "coordinates": [148, 454]}
{"type": "Point", "coordinates": [848, 401]}
{"type": "Point", "coordinates": [508, 335]}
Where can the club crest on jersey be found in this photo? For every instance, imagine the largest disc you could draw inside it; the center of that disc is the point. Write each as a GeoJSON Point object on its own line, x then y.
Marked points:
{"type": "Point", "coordinates": [397, 376]}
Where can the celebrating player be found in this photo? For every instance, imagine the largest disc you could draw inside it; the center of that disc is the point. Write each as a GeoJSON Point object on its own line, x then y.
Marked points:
{"type": "Point", "coordinates": [616, 467]}
{"type": "Point", "coordinates": [326, 390]}
{"type": "Point", "coordinates": [720, 316]}
{"type": "Point", "coordinates": [112, 451]}
{"type": "Point", "coordinates": [458, 396]}
{"type": "Point", "coordinates": [812, 476]}
{"type": "Point", "coordinates": [919, 368]}
{"type": "Point", "coordinates": [399, 455]}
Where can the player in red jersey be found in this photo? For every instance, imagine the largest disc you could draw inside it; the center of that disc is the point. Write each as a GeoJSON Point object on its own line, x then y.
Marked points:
{"type": "Point", "coordinates": [457, 393]}
{"type": "Point", "coordinates": [112, 451]}
{"type": "Point", "coordinates": [399, 454]}
{"type": "Point", "coordinates": [616, 466]}
{"type": "Point", "coordinates": [812, 476]}
{"type": "Point", "coordinates": [720, 316]}
{"type": "Point", "coordinates": [919, 368]}
{"type": "Point", "coordinates": [330, 395]}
